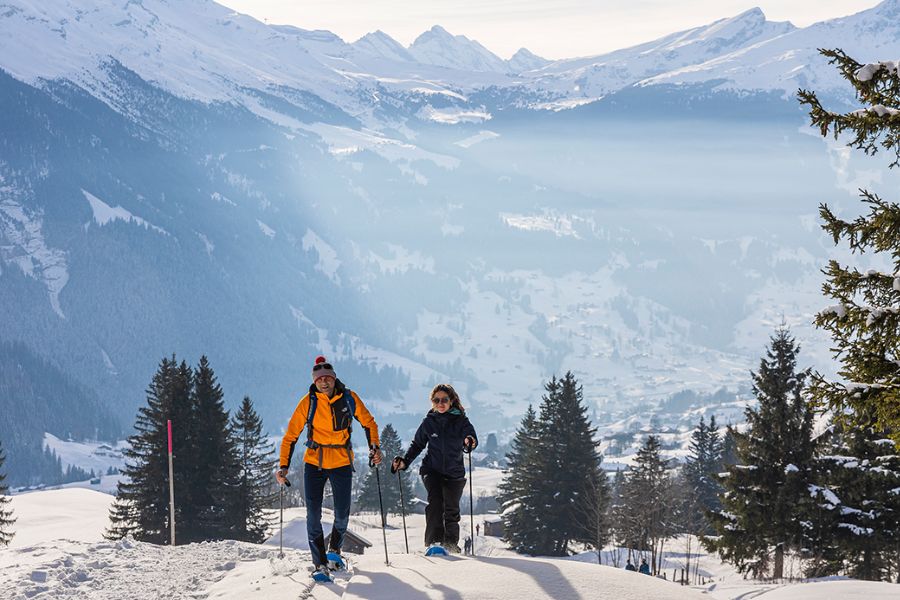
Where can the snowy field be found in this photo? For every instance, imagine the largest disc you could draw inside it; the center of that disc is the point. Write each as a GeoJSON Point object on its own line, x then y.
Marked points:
{"type": "Point", "coordinates": [59, 553]}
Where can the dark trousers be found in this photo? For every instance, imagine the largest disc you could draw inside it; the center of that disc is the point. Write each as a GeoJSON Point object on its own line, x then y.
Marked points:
{"type": "Point", "coordinates": [442, 512]}
{"type": "Point", "coordinates": [314, 480]}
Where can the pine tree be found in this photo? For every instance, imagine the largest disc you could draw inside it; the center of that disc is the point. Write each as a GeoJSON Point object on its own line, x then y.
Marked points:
{"type": "Point", "coordinates": [518, 492]}
{"type": "Point", "coordinates": [855, 524]}
{"type": "Point", "coordinates": [574, 476]}
{"type": "Point", "coordinates": [391, 446]}
{"type": "Point", "coordinates": [141, 508]}
{"type": "Point", "coordinates": [553, 475]}
{"type": "Point", "coordinates": [701, 476]}
{"type": "Point", "coordinates": [6, 514]}
{"type": "Point", "coordinates": [765, 494]}
{"type": "Point", "coordinates": [249, 494]}
{"type": "Point", "coordinates": [214, 461]}
{"type": "Point", "coordinates": [864, 322]}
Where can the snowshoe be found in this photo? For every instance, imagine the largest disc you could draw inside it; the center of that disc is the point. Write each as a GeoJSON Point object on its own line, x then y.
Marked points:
{"type": "Point", "coordinates": [436, 550]}
{"type": "Point", "coordinates": [321, 575]}
{"type": "Point", "coordinates": [336, 562]}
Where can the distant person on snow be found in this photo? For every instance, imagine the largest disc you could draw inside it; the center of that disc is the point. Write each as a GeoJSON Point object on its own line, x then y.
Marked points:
{"type": "Point", "coordinates": [644, 568]}
{"type": "Point", "coordinates": [629, 566]}
{"type": "Point", "coordinates": [327, 412]}
{"type": "Point", "coordinates": [447, 433]}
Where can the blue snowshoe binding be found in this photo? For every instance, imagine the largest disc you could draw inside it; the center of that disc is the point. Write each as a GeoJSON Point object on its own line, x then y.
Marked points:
{"type": "Point", "coordinates": [335, 562]}
{"type": "Point", "coordinates": [321, 575]}
{"type": "Point", "coordinates": [436, 550]}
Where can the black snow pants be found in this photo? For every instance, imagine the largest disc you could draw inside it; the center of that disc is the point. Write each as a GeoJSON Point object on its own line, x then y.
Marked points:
{"type": "Point", "coordinates": [442, 512]}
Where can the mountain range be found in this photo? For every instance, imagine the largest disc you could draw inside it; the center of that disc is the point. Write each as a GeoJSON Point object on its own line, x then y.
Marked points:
{"type": "Point", "coordinates": [176, 177]}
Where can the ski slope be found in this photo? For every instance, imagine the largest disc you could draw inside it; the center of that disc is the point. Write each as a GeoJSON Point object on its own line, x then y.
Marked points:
{"type": "Point", "coordinates": [59, 553]}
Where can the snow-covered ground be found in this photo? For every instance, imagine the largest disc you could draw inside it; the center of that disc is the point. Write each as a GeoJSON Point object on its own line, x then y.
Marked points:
{"type": "Point", "coordinates": [59, 553]}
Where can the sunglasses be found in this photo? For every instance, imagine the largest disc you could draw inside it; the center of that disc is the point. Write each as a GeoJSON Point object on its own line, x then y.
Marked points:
{"type": "Point", "coordinates": [321, 366]}
{"type": "Point", "coordinates": [441, 400]}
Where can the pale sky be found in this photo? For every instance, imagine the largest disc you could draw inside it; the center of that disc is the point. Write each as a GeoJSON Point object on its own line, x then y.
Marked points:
{"type": "Point", "coordinates": [550, 28]}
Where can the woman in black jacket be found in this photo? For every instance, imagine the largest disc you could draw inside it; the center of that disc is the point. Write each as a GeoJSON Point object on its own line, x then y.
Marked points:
{"type": "Point", "coordinates": [448, 433]}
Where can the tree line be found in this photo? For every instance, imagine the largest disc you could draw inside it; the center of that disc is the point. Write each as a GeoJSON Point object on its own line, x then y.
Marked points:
{"type": "Point", "coordinates": [772, 489]}
{"type": "Point", "coordinates": [223, 465]}
{"type": "Point", "coordinates": [37, 397]}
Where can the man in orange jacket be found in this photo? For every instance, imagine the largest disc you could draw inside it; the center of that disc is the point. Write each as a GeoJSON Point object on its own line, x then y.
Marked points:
{"type": "Point", "coordinates": [326, 413]}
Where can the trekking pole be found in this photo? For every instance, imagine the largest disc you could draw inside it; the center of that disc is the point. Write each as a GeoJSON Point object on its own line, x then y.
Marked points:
{"type": "Point", "coordinates": [402, 507]}
{"type": "Point", "coordinates": [471, 506]}
{"type": "Point", "coordinates": [381, 507]}
{"type": "Point", "coordinates": [281, 519]}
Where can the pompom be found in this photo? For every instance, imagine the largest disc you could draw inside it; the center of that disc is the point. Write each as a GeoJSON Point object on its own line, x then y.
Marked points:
{"type": "Point", "coordinates": [320, 360]}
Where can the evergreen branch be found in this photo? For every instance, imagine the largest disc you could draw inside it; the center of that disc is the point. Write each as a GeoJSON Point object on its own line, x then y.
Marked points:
{"type": "Point", "coordinates": [874, 127]}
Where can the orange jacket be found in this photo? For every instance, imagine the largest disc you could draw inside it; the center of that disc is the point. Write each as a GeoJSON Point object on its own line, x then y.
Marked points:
{"type": "Point", "coordinates": [324, 432]}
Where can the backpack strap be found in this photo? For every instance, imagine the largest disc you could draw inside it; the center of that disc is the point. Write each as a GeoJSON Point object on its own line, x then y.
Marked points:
{"type": "Point", "coordinates": [314, 445]}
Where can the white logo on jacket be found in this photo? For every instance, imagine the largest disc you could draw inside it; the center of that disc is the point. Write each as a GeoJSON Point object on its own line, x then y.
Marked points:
{"type": "Point", "coordinates": [434, 435]}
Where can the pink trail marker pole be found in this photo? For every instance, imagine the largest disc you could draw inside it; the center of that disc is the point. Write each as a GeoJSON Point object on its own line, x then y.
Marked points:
{"type": "Point", "coordinates": [171, 486]}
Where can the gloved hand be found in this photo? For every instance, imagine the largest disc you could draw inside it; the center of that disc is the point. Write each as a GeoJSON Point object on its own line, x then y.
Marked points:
{"type": "Point", "coordinates": [375, 455]}
{"type": "Point", "coordinates": [398, 464]}
{"type": "Point", "coordinates": [469, 444]}
{"type": "Point", "coordinates": [281, 477]}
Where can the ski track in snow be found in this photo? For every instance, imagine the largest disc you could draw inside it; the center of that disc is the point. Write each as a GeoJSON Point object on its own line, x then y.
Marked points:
{"type": "Point", "coordinates": [123, 569]}
{"type": "Point", "coordinates": [58, 553]}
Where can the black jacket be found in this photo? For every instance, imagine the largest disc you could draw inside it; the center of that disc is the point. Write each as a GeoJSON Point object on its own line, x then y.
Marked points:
{"type": "Point", "coordinates": [444, 435]}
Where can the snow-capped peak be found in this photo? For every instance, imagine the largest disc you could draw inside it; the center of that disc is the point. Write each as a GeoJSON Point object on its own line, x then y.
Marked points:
{"type": "Point", "coordinates": [380, 44]}
{"type": "Point", "coordinates": [792, 60]}
{"type": "Point", "coordinates": [738, 30]}
{"type": "Point", "coordinates": [525, 60]}
{"type": "Point", "coordinates": [599, 75]}
{"type": "Point", "coordinates": [439, 47]}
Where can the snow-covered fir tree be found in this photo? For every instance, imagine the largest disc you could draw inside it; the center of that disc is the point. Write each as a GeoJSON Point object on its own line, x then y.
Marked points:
{"type": "Point", "coordinates": [855, 522]}
{"type": "Point", "coordinates": [518, 492]}
{"type": "Point", "coordinates": [249, 495]}
{"type": "Point", "coordinates": [553, 493]}
{"type": "Point", "coordinates": [765, 493]}
{"type": "Point", "coordinates": [573, 482]}
{"type": "Point", "coordinates": [857, 492]}
{"type": "Point", "coordinates": [864, 321]}
{"type": "Point", "coordinates": [391, 446]}
{"type": "Point", "coordinates": [6, 514]}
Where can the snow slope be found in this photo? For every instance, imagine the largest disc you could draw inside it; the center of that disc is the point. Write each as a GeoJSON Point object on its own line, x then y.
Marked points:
{"type": "Point", "coordinates": [90, 456]}
{"type": "Point", "coordinates": [76, 515]}
{"type": "Point", "coordinates": [598, 75]}
{"type": "Point", "coordinates": [59, 553]}
{"type": "Point", "coordinates": [792, 60]}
